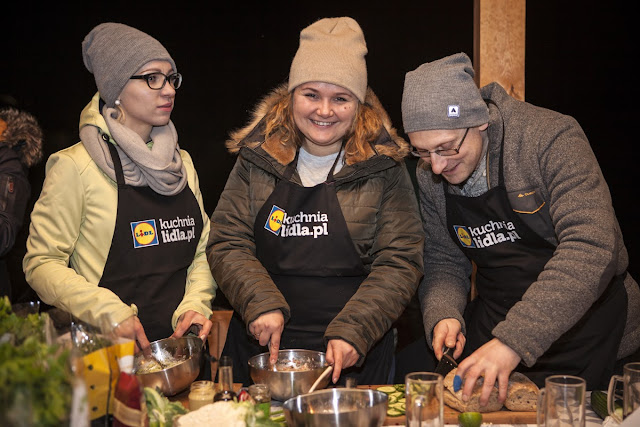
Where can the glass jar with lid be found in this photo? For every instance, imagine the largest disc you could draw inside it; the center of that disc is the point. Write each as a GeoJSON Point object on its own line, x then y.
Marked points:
{"type": "Point", "coordinates": [200, 394]}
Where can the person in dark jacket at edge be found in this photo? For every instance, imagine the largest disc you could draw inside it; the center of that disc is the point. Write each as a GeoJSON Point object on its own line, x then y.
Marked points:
{"type": "Point", "coordinates": [21, 139]}
{"type": "Point", "coordinates": [316, 239]}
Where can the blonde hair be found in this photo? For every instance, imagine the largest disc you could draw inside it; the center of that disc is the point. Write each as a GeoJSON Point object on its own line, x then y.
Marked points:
{"type": "Point", "coordinates": [366, 126]}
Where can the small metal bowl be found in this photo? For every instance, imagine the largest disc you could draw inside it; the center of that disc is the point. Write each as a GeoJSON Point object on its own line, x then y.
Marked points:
{"type": "Point", "coordinates": [337, 407]}
{"type": "Point", "coordinates": [294, 373]}
{"type": "Point", "coordinates": [173, 379]}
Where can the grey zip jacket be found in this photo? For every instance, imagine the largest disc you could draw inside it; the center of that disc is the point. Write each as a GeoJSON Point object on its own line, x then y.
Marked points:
{"type": "Point", "coordinates": [548, 158]}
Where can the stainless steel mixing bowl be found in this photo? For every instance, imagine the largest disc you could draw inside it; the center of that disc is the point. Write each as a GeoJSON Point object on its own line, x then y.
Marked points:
{"type": "Point", "coordinates": [337, 407]}
{"type": "Point", "coordinates": [173, 379]}
{"type": "Point", "coordinates": [294, 373]}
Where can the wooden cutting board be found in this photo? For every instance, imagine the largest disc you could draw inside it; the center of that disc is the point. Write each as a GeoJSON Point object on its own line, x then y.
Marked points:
{"type": "Point", "coordinates": [451, 415]}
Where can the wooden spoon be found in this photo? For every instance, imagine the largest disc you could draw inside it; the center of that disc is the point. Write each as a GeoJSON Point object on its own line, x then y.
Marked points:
{"type": "Point", "coordinates": [321, 377]}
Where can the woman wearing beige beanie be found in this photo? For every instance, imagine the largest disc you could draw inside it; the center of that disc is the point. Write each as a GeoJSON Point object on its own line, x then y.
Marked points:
{"type": "Point", "coordinates": [316, 240]}
{"type": "Point", "coordinates": [120, 227]}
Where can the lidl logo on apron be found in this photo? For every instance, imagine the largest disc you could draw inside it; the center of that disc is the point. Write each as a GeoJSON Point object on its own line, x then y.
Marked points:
{"type": "Point", "coordinates": [486, 235]}
{"type": "Point", "coordinates": [275, 219]}
{"type": "Point", "coordinates": [302, 224]}
{"type": "Point", "coordinates": [463, 236]}
{"type": "Point", "coordinates": [144, 233]}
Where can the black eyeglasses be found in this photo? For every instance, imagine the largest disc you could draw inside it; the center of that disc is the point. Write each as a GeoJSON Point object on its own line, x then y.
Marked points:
{"type": "Point", "coordinates": [156, 81]}
{"type": "Point", "coordinates": [426, 154]}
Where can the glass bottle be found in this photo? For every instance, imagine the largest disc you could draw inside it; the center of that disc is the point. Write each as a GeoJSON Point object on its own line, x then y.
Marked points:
{"type": "Point", "coordinates": [225, 380]}
{"type": "Point", "coordinates": [128, 396]}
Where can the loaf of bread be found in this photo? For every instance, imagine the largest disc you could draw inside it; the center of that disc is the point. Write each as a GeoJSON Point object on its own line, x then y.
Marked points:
{"type": "Point", "coordinates": [522, 395]}
{"type": "Point", "coordinates": [454, 400]}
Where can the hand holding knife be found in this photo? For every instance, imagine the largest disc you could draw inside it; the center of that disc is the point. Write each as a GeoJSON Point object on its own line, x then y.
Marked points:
{"type": "Point", "coordinates": [447, 362]}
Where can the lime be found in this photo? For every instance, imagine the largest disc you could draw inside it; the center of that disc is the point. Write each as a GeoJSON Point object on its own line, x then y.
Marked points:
{"type": "Point", "coordinates": [470, 419]}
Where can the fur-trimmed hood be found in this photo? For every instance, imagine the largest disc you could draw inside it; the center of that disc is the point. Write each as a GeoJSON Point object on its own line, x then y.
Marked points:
{"type": "Point", "coordinates": [387, 143]}
{"type": "Point", "coordinates": [21, 132]}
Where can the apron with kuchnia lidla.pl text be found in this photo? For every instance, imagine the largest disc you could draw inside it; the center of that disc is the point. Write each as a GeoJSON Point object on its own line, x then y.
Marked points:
{"type": "Point", "coordinates": [509, 256]}
{"type": "Point", "coordinates": [303, 241]}
{"type": "Point", "coordinates": [154, 243]}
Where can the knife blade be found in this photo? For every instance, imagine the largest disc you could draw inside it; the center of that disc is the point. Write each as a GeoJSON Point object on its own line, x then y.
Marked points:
{"type": "Point", "coordinates": [447, 362]}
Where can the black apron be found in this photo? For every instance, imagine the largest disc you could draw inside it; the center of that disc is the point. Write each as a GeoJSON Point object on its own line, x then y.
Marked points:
{"type": "Point", "coordinates": [509, 257]}
{"type": "Point", "coordinates": [154, 242]}
{"type": "Point", "coordinates": [303, 241]}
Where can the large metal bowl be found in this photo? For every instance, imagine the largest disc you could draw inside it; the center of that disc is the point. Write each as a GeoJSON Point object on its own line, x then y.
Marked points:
{"type": "Point", "coordinates": [294, 373]}
{"type": "Point", "coordinates": [173, 379]}
{"type": "Point", "coordinates": [337, 407]}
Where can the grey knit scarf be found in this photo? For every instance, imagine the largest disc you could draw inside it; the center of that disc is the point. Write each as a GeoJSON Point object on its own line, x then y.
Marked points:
{"type": "Point", "coordinates": [159, 168]}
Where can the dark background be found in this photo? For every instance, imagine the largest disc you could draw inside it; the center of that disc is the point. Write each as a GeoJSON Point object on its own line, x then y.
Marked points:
{"type": "Point", "coordinates": [579, 57]}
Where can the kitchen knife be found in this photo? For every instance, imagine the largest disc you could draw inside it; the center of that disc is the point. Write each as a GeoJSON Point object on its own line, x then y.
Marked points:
{"type": "Point", "coordinates": [447, 363]}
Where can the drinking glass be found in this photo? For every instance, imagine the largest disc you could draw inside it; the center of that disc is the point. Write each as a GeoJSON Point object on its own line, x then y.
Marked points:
{"type": "Point", "coordinates": [424, 400]}
{"type": "Point", "coordinates": [561, 402]}
{"type": "Point", "coordinates": [630, 391]}
{"type": "Point", "coordinates": [261, 395]}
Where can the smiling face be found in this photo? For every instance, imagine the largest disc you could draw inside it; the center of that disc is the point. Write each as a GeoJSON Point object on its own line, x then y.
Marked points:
{"type": "Point", "coordinates": [324, 113]}
{"type": "Point", "coordinates": [455, 169]}
{"type": "Point", "coordinates": [144, 107]}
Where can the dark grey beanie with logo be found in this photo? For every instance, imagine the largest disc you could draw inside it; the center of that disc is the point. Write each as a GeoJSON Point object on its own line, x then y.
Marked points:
{"type": "Point", "coordinates": [443, 95]}
{"type": "Point", "coordinates": [114, 52]}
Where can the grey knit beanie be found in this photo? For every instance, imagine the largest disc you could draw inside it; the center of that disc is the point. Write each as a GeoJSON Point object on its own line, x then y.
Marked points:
{"type": "Point", "coordinates": [442, 95]}
{"type": "Point", "coordinates": [332, 50]}
{"type": "Point", "coordinates": [114, 52]}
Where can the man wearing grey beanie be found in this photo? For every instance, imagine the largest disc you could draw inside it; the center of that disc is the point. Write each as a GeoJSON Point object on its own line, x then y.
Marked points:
{"type": "Point", "coordinates": [120, 228]}
{"type": "Point", "coordinates": [517, 190]}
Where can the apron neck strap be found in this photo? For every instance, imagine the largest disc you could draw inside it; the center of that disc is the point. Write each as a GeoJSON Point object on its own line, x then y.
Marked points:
{"type": "Point", "coordinates": [117, 165]}
{"type": "Point", "coordinates": [330, 178]}
{"type": "Point", "coordinates": [291, 167]}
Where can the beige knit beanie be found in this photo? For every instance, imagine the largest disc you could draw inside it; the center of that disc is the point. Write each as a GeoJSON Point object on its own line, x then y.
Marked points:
{"type": "Point", "coordinates": [332, 50]}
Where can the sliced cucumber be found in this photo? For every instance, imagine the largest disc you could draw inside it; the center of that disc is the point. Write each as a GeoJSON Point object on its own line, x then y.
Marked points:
{"type": "Point", "coordinates": [399, 406]}
{"type": "Point", "coordinates": [392, 412]}
{"type": "Point", "coordinates": [396, 409]}
{"type": "Point", "coordinates": [396, 404]}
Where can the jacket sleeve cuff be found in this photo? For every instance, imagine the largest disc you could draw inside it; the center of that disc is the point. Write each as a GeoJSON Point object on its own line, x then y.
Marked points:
{"type": "Point", "coordinates": [362, 356]}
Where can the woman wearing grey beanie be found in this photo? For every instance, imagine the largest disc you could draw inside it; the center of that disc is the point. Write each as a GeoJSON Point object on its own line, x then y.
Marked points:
{"type": "Point", "coordinates": [120, 228]}
{"type": "Point", "coordinates": [316, 240]}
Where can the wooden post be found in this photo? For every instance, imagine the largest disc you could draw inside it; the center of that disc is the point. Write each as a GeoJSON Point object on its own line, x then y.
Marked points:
{"type": "Point", "coordinates": [499, 44]}
{"type": "Point", "coordinates": [498, 53]}
{"type": "Point", "coordinates": [218, 336]}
